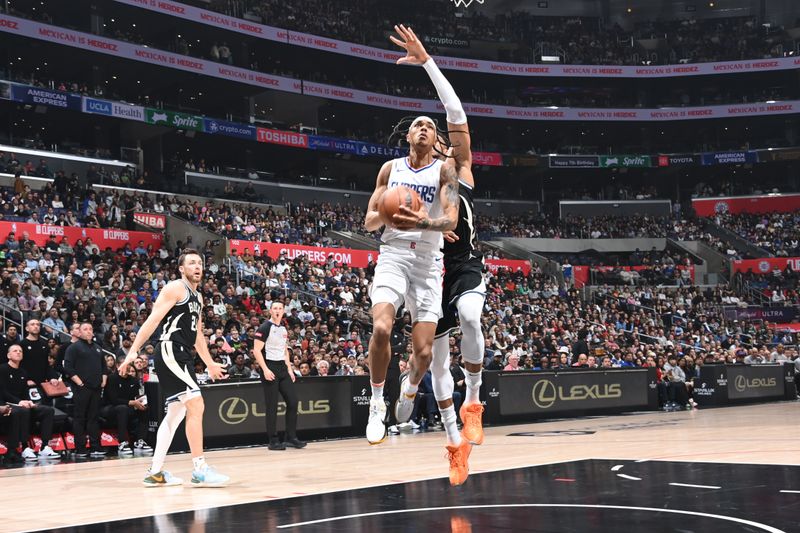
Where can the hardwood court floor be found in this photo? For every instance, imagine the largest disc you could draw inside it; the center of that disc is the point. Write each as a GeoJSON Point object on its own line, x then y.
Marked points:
{"type": "Point", "coordinates": [101, 491]}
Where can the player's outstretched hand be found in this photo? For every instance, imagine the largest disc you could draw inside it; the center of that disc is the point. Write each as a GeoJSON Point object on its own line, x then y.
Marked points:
{"type": "Point", "coordinates": [408, 41]}
{"type": "Point", "coordinates": [450, 236]}
{"type": "Point", "coordinates": [216, 371]}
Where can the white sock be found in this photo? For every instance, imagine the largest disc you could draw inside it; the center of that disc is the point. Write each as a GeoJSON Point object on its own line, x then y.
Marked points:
{"type": "Point", "coordinates": [377, 390]}
{"type": "Point", "coordinates": [199, 462]}
{"type": "Point", "coordinates": [450, 426]}
{"type": "Point", "coordinates": [409, 389]}
{"type": "Point", "coordinates": [473, 382]}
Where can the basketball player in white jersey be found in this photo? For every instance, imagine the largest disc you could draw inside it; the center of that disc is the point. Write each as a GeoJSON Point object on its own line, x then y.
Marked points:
{"type": "Point", "coordinates": [177, 313]}
{"type": "Point", "coordinates": [463, 285]}
{"type": "Point", "coordinates": [410, 264]}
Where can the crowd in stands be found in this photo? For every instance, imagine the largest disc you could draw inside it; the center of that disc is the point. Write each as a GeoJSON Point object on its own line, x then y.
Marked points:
{"type": "Point", "coordinates": [576, 40]}
{"type": "Point", "coordinates": [779, 287]}
{"type": "Point", "coordinates": [578, 227]}
{"type": "Point", "coordinates": [530, 322]}
{"type": "Point", "coordinates": [581, 40]}
{"type": "Point", "coordinates": [777, 233]}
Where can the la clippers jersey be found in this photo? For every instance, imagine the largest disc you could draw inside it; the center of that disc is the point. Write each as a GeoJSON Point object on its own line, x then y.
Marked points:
{"type": "Point", "coordinates": [426, 182]}
{"type": "Point", "coordinates": [466, 247]}
{"type": "Point", "coordinates": [180, 324]}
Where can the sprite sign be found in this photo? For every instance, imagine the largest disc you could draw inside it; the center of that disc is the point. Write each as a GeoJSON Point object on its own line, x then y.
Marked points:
{"type": "Point", "coordinates": [182, 121]}
{"type": "Point", "coordinates": [642, 161]}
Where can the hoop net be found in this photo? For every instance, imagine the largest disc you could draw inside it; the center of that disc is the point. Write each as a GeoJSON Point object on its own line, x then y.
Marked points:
{"type": "Point", "coordinates": [466, 3]}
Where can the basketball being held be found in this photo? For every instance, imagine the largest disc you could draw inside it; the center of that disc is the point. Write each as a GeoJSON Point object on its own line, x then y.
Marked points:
{"type": "Point", "coordinates": [391, 202]}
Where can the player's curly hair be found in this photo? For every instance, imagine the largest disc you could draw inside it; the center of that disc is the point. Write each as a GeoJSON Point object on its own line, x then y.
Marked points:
{"type": "Point", "coordinates": [398, 136]}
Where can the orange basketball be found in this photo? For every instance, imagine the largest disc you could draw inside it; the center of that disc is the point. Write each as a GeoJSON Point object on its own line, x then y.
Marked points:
{"type": "Point", "coordinates": [393, 198]}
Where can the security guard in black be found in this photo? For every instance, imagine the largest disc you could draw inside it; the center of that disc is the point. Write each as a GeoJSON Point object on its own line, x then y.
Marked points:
{"type": "Point", "coordinates": [85, 366]}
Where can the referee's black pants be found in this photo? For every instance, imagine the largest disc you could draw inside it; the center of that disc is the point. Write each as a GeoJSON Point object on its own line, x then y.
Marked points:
{"type": "Point", "coordinates": [284, 385]}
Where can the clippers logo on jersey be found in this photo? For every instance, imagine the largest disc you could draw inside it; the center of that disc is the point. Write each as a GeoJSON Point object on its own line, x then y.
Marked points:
{"type": "Point", "coordinates": [426, 193]}
{"type": "Point", "coordinates": [425, 181]}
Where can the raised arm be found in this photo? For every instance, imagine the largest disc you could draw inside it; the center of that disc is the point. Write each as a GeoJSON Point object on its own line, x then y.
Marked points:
{"type": "Point", "coordinates": [457, 127]}
{"type": "Point", "coordinates": [373, 222]}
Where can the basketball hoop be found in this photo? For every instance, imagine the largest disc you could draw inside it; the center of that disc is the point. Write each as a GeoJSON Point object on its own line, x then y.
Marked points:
{"type": "Point", "coordinates": [466, 3]}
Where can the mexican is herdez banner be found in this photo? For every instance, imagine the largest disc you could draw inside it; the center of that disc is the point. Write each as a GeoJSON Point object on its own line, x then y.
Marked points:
{"type": "Point", "coordinates": [522, 394]}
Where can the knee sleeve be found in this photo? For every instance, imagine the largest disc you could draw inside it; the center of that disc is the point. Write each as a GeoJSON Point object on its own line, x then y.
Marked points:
{"type": "Point", "coordinates": [470, 307]}
{"type": "Point", "coordinates": [440, 369]}
{"type": "Point", "coordinates": [176, 411]}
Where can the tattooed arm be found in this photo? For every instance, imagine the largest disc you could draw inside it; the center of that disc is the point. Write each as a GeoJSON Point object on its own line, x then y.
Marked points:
{"type": "Point", "coordinates": [448, 196]}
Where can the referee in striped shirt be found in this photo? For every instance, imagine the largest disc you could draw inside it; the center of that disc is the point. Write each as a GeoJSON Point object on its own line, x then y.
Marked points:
{"type": "Point", "coordinates": [269, 349]}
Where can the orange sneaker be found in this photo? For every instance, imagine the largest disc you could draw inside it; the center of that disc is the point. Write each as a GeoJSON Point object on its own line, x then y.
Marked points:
{"type": "Point", "coordinates": [458, 455]}
{"type": "Point", "coordinates": [460, 524]}
{"type": "Point", "coordinates": [472, 418]}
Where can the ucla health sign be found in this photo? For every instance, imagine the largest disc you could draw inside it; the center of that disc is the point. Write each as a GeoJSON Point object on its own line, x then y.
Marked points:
{"type": "Point", "coordinates": [38, 96]}
{"type": "Point", "coordinates": [230, 129]}
{"type": "Point", "coordinates": [98, 107]}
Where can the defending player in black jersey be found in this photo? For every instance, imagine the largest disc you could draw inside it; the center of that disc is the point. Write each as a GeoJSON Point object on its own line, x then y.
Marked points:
{"type": "Point", "coordinates": [177, 320]}
{"type": "Point", "coordinates": [463, 296]}
{"type": "Point", "coordinates": [462, 283]}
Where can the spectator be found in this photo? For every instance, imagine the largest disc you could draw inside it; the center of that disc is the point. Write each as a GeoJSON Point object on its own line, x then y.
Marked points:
{"type": "Point", "coordinates": [126, 404]}
{"type": "Point", "coordinates": [14, 384]}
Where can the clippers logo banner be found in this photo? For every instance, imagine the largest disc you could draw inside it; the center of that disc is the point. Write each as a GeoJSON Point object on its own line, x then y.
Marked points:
{"type": "Point", "coordinates": [346, 256]}
{"type": "Point", "coordinates": [353, 258]}
{"type": "Point", "coordinates": [782, 203]}
{"type": "Point", "coordinates": [514, 265]}
{"type": "Point", "coordinates": [766, 265]}
{"type": "Point", "coordinates": [103, 238]}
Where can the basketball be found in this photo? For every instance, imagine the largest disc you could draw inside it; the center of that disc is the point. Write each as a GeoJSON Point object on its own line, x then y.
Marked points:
{"type": "Point", "coordinates": [393, 198]}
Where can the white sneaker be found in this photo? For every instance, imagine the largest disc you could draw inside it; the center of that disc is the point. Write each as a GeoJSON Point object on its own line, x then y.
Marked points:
{"type": "Point", "coordinates": [404, 405]}
{"type": "Point", "coordinates": [124, 448]}
{"type": "Point", "coordinates": [142, 446]}
{"type": "Point", "coordinates": [29, 455]}
{"type": "Point", "coordinates": [48, 453]}
{"type": "Point", "coordinates": [413, 424]}
{"type": "Point", "coordinates": [393, 430]}
{"type": "Point", "coordinates": [376, 426]}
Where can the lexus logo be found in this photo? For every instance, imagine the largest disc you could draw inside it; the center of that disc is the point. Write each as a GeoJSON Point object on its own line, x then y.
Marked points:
{"type": "Point", "coordinates": [740, 383]}
{"type": "Point", "coordinates": [544, 394]}
{"type": "Point", "coordinates": [233, 410]}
